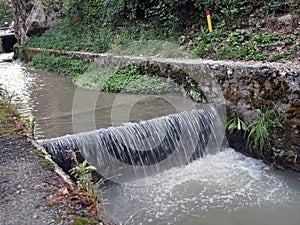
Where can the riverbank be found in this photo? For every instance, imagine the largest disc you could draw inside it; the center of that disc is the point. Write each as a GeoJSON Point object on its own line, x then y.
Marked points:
{"type": "Point", "coordinates": [31, 191]}
{"type": "Point", "coordinates": [251, 90]}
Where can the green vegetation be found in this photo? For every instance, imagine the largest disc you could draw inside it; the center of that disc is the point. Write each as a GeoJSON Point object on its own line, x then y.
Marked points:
{"type": "Point", "coordinates": [263, 135]}
{"type": "Point", "coordinates": [9, 116]}
{"type": "Point", "coordinates": [235, 123]}
{"type": "Point", "coordinates": [286, 154]}
{"type": "Point", "coordinates": [5, 12]}
{"type": "Point", "coordinates": [259, 138]}
{"type": "Point", "coordinates": [85, 221]}
{"type": "Point", "coordinates": [151, 48]}
{"type": "Point", "coordinates": [47, 164]}
{"type": "Point", "coordinates": [240, 45]}
{"type": "Point", "coordinates": [30, 122]}
{"type": "Point", "coordinates": [243, 30]}
{"type": "Point", "coordinates": [61, 64]}
{"type": "Point", "coordinates": [84, 180]}
{"type": "Point", "coordinates": [131, 80]}
{"type": "Point", "coordinates": [39, 153]}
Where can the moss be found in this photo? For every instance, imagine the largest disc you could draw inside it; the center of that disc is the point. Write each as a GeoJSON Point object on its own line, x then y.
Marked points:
{"type": "Point", "coordinates": [85, 221]}
{"type": "Point", "coordinates": [10, 120]}
{"type": "Point", "coordinates": [279, 90]}
{"type": "Point", "coordinates": [59, 220]}
{"type": "Point", "coordinates": [39, 153]}
{"type": "Point", "coordinates": [47, 164]}
{"type": "Point", "coordinates": [293, 112]}
{"type": "Point", "coordinates": [233, 94]}
{"type": "Point", "coordinates": [51, 204]}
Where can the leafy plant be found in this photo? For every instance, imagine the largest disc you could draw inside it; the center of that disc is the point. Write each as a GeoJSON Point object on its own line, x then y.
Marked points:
{"type": "Point", "coordinates": [259, 138]}
{"type": "Point", "coordinates": [196, 94]}
{"type": "Point", "coordinates": [31, 122]}
{"type": "Point", "coordinates": [131, 80]}
{"type": "Point", "coordinates": [5, 12]}
{"type": "Point", "coordinates": [239, 36]}
{"type": "Point", "coordinates": [236, 123]}
{"type": "Point", "coordinates": [287, 154]}
{"type": "Point", "coordinates": [61, 64]}
{"type": "Point", "coordinates": [83, 174]}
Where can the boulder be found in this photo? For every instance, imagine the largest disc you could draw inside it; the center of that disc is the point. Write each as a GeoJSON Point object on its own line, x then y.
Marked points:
{"type": "Point", "coordinates": [32, 17]}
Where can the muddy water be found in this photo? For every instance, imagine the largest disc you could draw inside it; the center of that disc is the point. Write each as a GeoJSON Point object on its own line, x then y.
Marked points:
{"type": "Point", "coordinates": [53, 100]}
{"type": "Point", "coordinates": [226, 188]}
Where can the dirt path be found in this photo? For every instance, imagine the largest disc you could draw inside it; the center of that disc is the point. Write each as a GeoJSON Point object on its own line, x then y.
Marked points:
{"type": "Point", "coordinates": [24, 183]}
{"type": "Point", "coordinates": [31, 192]}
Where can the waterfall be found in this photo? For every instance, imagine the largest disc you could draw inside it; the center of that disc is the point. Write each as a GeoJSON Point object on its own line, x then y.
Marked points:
{"type": "Point", "coordinates": [136, 150]}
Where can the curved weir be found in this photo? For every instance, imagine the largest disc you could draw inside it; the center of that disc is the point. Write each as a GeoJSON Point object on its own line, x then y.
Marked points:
{"type": "Point", "coordinates": [138, 150]}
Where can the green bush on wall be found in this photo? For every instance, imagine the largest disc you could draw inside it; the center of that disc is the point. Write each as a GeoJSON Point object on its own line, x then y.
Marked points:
{"type": "Point", "coordinates": [5, 12]}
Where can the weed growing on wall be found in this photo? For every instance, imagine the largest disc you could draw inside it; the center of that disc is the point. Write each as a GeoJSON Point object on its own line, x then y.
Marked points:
{"type": "Point", "coordinates": [259, 138]}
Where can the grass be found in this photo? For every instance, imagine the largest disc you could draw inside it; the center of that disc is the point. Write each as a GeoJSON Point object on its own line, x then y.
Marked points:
{"type": "Point", "coordinates": [39, 153]}
{"type": "Point", "coordinates": [47, 164]}
{"type": "Point", "coordinates": [149, 48]}
{"type": "Point", "coordinates": [259, 138]}
{"type": "Point", "coordinates": [8, 118]}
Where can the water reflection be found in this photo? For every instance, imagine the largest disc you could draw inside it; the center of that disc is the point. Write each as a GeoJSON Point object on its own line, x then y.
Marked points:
{"type": "Point", "coordinates": [50, 98]}
{"type": "Point", "coordinates": [232, 190]}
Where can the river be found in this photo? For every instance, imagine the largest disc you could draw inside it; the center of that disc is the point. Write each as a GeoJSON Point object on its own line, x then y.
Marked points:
{"type": "Point", "coordinates": [225, 188]}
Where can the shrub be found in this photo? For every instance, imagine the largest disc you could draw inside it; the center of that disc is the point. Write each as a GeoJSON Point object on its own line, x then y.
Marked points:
{"type": "Point", "coordinates": [131, 80]}
{"type": "Point", "coordinates": [61, 64]}
{"type": "Point", "coordinates": [259, 139]}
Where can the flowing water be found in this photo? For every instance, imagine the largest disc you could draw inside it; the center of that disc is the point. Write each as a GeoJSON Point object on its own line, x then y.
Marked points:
{"type": "Point", "coordinates": [223, 188]}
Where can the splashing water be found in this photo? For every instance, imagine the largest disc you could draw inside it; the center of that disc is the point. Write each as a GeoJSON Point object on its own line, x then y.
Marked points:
{"type": "Point", "coordinates": [225, 188]}
{"type": "Point", "coordinates": [142, 149]}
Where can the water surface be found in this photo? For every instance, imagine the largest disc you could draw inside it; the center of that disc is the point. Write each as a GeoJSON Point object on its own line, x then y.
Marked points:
{"type": "Point", "coordinates": [227, 188]}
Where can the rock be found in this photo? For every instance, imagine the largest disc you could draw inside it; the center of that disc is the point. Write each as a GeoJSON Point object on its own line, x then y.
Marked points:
{"type": "Point", "coordinates": [286, 19]}
{"type": "Point", "coordinates": [32, 17]}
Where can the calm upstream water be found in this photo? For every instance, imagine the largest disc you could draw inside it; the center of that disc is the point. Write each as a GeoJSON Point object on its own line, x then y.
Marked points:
{"type": "Point", "coordinates": [226, 188]}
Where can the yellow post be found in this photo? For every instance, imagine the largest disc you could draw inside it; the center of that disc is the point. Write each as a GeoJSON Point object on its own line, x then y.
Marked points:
{"type": "Point", "coordinates": [209, 21]}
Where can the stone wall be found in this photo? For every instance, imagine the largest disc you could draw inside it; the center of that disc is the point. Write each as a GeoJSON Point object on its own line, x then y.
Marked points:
{"type": "Point", "coordinates": [243, 86]}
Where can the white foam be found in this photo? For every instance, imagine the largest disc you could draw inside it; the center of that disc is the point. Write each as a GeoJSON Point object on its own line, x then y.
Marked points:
{"type": "Point", "coordinates": [227, 181]}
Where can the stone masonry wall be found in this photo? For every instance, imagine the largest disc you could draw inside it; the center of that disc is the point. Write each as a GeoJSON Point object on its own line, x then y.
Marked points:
{"type": "Point", "coordinates": [243, 86]}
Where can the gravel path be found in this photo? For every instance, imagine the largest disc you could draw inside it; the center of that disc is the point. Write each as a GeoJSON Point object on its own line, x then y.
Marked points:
{"type": "Point", "coordinates": [32, 193]}
{"type": "Point", "coordinates": [24, 185]}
